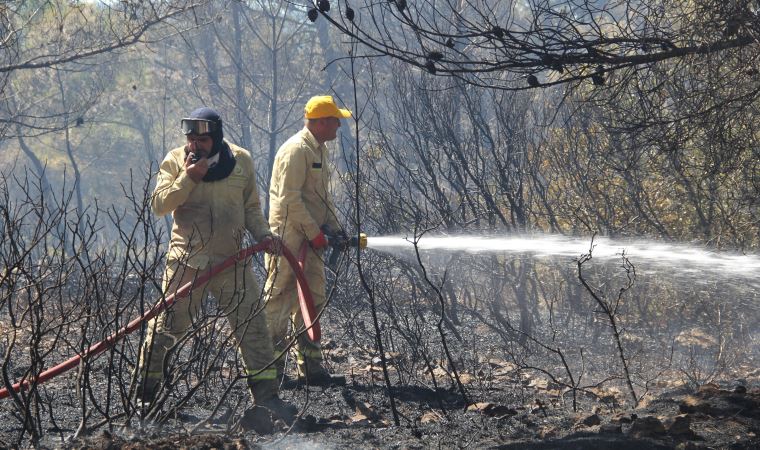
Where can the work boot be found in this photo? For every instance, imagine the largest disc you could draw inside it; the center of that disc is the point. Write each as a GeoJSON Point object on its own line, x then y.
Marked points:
{"type": "Point", "coordinates": [314, 374]}
{"type": "Point", "coordinates": [257, 419]}
{"type": "Point", "coordinates": [147, 389]}
{"type": "Point", "coordinates": [265, 396]}
{"type": "Point", "coordinates": [279, 408]}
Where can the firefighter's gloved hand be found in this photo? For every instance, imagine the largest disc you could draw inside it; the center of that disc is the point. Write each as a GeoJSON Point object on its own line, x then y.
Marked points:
{"type": "Point", "coordinates": [273, 244]}
{"type": "Point", "coordinates": [342, 239]}
{"type": "Point", "coordinates": [327, 230]}
{"type": "Point", "coordinates": [319, 242]}
{"type": "Point", "coordinates": [338, 239]}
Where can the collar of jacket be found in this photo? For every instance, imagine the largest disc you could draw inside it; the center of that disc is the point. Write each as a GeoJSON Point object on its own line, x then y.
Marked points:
{"type": "Point", "coordinates": [312, 141]}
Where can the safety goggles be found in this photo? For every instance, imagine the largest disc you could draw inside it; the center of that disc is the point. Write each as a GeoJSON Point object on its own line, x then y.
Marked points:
{"type": "Point", "coordinates": [197, 126]}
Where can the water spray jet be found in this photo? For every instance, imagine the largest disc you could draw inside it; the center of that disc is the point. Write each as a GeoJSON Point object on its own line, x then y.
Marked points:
{"type": "Point", "coordinates": [654, 257]}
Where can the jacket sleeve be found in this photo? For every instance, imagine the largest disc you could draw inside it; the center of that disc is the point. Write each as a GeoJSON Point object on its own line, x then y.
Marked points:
{"type": "Point", "coordinates": [172, 188]}
{"type": "Point", "coordinates": [293, 167]}
{"type": "Point", "coordinates": [254, 217]}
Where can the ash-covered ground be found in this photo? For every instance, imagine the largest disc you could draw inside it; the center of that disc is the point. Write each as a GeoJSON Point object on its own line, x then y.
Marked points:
{"type": "Point", "coordinates": [504, 408]}
{"type": "Point", "coordinates": [683, 373]}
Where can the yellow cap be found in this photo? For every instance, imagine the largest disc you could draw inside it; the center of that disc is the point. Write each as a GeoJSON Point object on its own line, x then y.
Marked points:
{"type": "Point", "coordinates": [323, 106]}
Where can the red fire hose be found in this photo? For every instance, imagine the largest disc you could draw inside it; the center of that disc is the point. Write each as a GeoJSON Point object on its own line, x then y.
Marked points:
{"type": "Point", "coordinates": [304, 299]}
{"type": "Point", "coordinates": [306, 302]}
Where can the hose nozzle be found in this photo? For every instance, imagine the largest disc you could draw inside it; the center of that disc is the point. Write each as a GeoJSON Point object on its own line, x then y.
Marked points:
{"type": "Point", "coordinates": [339, 242]}
{"type": "Point", "coordinates": [360, 241]}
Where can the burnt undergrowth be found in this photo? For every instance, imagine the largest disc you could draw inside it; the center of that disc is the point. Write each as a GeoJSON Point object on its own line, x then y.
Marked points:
{"type": "Point", "coordinates": [479, 350]}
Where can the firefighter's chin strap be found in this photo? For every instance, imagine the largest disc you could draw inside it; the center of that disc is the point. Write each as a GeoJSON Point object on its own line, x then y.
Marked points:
{"type": "Point", "coordinates": [304, 298]}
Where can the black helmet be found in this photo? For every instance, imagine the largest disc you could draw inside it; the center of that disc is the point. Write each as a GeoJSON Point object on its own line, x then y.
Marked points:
{"type": "Point", "coordinates": [205, 122]}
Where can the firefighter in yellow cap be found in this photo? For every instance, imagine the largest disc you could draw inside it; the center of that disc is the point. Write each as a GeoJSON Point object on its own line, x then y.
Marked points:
{"type": "Point", "coordinates": [209, 187]}
{"type": "Point", "coordinates": [301, 209]}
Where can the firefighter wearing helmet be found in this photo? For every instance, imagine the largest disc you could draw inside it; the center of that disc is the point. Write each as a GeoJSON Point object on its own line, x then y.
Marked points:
{"type": "Point", "coordinates": [209, 188]}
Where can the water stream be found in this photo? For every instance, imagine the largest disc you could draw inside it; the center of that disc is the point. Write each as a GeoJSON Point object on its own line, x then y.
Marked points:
{"type": "Point", "coordinates": [701, 303]}
{"type": "Point", "coordinates": [649, 257]}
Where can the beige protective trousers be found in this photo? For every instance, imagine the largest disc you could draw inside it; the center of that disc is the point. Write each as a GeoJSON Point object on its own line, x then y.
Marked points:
{"type": "Point", "coordinates": [239, 300]}
{"type": "Point", "coordinates": [282, 308]}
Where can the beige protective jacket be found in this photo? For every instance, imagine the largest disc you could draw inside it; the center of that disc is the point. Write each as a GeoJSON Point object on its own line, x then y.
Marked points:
{"type": "Point", "coordinates": [299, 194]}
{"type": "Point", "coordinates": [210, 218]}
